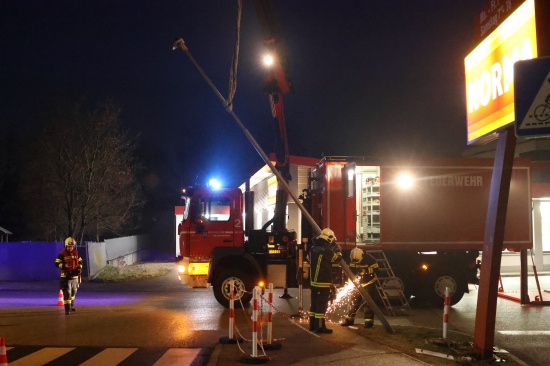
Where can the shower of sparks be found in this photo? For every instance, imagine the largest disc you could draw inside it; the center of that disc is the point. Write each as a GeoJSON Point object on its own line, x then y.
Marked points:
{"type": "Point", "coordinates": [338, 308]}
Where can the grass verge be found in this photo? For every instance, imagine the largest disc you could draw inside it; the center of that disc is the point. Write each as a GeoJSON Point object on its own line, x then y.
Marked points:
{"type": "Point", "coordinates": [407, 338]}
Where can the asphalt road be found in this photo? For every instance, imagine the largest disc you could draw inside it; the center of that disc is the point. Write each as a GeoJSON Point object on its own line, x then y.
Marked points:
{"type": "Point", "coordinates": [159, 314]}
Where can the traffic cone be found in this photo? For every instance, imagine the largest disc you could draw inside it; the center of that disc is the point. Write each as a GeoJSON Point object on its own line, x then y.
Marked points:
{"type": "Point", "coordinates": [59, 299]}
{"type": "Point", "coordinates": [3, 355]}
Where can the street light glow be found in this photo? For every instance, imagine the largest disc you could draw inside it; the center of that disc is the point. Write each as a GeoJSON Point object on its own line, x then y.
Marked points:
{"type": "Point", "coordinates": [268, 60]}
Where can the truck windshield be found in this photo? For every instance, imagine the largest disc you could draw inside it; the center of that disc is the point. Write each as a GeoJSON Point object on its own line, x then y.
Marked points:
{"type": "Point", "coordinates": [216, 208]}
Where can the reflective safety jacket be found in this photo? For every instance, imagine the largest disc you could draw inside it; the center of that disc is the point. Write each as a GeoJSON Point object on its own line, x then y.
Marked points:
{"type": "Point", "coordinates": [321, 256]}
{"type": "Point", "coordinates": [365, 270]}
{"type": "Point", "coordinates": [70, 264]}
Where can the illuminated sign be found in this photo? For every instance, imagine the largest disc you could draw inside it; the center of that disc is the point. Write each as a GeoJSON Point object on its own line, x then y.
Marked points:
{"type": "Point", "coordinates": [492, 15]}
{"type": "Point", "coordinates": [490, 72]}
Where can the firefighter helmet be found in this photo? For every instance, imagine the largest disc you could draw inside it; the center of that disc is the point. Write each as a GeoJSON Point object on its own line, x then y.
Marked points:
{"type": "Point", "coordinates": [328, 235]}
{"type": "Point", "coordinates": [69, 241]}
{"type": "Point", "coordinates": [356, 255]}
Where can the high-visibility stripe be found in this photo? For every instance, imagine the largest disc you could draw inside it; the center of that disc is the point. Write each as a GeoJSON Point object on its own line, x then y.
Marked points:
{"type": "Point", "coordinates": [317, 268]}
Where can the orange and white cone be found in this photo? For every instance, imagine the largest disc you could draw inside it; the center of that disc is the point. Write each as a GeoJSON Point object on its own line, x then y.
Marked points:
{"type": "Point", "coordinates": [59, 299]}
{"type": "Point", "coordinates": [3, 355]}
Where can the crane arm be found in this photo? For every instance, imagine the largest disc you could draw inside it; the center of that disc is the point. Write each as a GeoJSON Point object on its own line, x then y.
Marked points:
{"type": "Point", "coordinates": [277, 83]}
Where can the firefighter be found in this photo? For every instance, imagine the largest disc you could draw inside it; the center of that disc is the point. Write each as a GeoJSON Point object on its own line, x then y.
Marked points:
{"type": "Point", "coordinates": [322, 254]}
{"type": "Point", "coordinates": [363, 267]}
{"type": "Point", "coordinates": [70, 264]}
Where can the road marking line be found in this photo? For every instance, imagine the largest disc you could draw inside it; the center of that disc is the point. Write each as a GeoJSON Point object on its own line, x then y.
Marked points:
{"type": "Point", "coordinates": [41, 357]}
{"type": "Point", "coordinates": [178, 356]}
{"type": "Point", "coordinates": [110, 356]}
{"type": "Point", "coordinates": [524, 332]}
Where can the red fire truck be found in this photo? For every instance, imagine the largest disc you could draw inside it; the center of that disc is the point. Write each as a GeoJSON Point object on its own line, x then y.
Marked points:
{"type": "Point", "coordinates": [428, 217]}
{"type": "Point", "coordinates": [431, 230]}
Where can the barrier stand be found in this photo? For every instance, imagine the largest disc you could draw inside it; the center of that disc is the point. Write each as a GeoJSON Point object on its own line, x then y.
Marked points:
{"type": "Point", "coordinates": [254, 358]}
{"type": "Point", "coordinates": [231, 339]}
{"type": "Point", "coordinates": [3, 355]}
{"type": "Point", "coordinates": [447, 305]}
{"type": "Point", "coordinates": [285, 294]}
{"type": "Point", "coordinates": [270, 345]}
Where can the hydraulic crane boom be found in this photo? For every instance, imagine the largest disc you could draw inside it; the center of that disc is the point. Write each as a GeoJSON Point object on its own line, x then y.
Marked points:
{"type": "Point", "coordinates": [276, 86]}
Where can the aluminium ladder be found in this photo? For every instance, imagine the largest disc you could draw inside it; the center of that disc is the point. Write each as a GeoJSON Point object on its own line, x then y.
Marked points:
{"type": "Point", "coordinates": [389, 287]}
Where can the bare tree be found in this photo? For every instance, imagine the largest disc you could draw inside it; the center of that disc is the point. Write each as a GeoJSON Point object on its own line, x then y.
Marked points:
{"type": "Point", "coordinates": [81, 180]}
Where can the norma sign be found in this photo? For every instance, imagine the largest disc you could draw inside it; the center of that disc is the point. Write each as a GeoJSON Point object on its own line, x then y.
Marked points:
{"type": "Point", "coordinates": [492, 15]}
{"type": "Point", "coordinates": [490, 73]}
{"type": "Point", "coordinates": [532, 97]}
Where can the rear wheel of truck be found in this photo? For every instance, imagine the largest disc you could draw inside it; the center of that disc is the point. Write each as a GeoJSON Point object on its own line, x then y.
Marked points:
{"type": "Point", "coordinates": [456, 291]}
{"type": "Point", "coordinates": [431, 291]}
{"type": "Point", "coordinates": [243, 287]}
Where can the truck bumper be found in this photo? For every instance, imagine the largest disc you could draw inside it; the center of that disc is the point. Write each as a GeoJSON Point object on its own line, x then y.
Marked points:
{"type": "Point", "coordinates": [193, 274]}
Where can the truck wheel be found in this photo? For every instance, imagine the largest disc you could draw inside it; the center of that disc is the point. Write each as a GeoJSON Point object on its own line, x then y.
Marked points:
{"type": "Point", "coordinates": [456, 291]}
{"type": "Point", "coordinates": [243, 287]}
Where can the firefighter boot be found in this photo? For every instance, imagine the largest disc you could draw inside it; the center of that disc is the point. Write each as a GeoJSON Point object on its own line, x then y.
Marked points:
{"type": "Point", "coordinates": [369, 323]}
{"type": "Point", "coordinates": [67, 309]}
{"type": "Point", "coordinates": [73, 309]}
{"type": "Point", "coordinates": [348, 320]}
{"type": "Point", "coordinates": [322, 327]}
{"type": "Point", "coordinates": [312, 324]}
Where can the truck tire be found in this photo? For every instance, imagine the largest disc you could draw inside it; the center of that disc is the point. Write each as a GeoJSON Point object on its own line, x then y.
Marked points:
{"type": "Point", "coordinates": [456, 289]}
{"type": "Point", "coordinates": [243, 287]}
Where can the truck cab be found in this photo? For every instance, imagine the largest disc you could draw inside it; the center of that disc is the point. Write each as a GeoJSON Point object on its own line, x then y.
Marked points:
{"type": "Point", "coordinates": [210, 219]}
{"type": "Point", "coordinates": [212, 249]}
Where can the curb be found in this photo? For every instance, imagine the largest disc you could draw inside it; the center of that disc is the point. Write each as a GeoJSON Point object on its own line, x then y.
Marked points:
{"type": "Point", "coordinates": [215, 356]}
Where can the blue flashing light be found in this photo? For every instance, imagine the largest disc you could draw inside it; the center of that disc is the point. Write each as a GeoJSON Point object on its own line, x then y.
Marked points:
{"type": "Point", "coordinates": [214, 184]}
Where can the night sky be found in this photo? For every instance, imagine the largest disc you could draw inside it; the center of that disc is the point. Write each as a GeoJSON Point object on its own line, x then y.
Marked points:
{"type": "Point", "coordinates": [372, 78]}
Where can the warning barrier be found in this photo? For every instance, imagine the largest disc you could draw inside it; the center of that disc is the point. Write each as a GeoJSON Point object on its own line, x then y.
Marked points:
{"type": "Point", "coordinates": [3, 355]}
{"type": "Point", "coordinates": [60, 298]}
{"type": "Point", "coordinates": [230, 339]}
{"type": "Point", "coordinates": [253, 357]}
{"type": "Point", "coordinates": [270, 345]}
{"type": "Point", "coordinates": [446, 306]}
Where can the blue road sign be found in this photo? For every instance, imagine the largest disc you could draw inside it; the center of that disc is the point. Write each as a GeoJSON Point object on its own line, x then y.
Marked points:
{"type": "Point", "coordinates": [532, 97]}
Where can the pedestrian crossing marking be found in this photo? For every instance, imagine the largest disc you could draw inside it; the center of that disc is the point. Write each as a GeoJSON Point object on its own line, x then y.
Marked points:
{"type": "Point", "coordinates": [109, 356]}
{"type": "Point", "coordinates": [178, 356]}
{"type": "Point", "coordinates": [41, 357]}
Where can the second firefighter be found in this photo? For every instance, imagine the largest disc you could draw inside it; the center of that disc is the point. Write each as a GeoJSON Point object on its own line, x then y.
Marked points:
{"type": "Point", "coordinates": [363, 267]}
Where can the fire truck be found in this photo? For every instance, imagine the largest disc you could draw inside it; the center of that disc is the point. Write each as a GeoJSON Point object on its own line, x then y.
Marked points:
{"type": "Point", "coordinates": [427, 216]}
{"type": "Point", "coordinates": [429, 220]}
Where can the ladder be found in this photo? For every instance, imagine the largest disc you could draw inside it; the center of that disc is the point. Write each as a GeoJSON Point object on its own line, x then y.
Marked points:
{"type": "Point", "coordinates": [389, 287]}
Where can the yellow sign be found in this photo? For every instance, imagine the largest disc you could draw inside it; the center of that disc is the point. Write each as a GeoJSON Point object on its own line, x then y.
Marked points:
{"type": "Point", "coordinates": [490, 72]}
